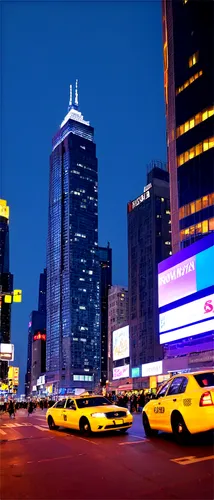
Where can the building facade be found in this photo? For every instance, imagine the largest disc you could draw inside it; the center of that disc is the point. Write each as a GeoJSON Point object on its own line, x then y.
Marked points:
{"type": "Point", "coordinates": [118, 316]}
{"type": "Point", "coordinates": [38, 366]}
{"type": "Point", "coordinates": [149, 242]}
{"type": "Point", "coordinates": [6, 283]}
{"type": "Point", "coordinates": [105, 259]}
{"type": "Point", "coordinates": [73, 273]}
{"type": "Point", "coordinates": [188, 41]}
{"type": "Point", "coordinates": [37, 323]}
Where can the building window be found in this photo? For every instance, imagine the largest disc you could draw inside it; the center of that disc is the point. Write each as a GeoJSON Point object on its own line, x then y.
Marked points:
{"type": "Point", "coordinates": [188, 82]}
{"type": "Point", "coordinates": [195, 151]}
{"type": "Point", "coordinates": [193, 59]}
{"type": "Point", "coordinates": [196, 206]}
{"type": "Point", "coordinates": [195, 120]}
{"type": "Point", "coordinates": [201, 228]}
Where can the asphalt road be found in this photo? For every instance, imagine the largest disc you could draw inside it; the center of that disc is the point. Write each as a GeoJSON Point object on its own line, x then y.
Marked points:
{"type": "Point", "coordinates": [62, 465]}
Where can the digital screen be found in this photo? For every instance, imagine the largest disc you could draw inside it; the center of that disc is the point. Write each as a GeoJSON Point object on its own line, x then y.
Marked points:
{"type": "Point", "coordinates": [185, 292]}
{"type": "Point", "coordinates": [121, 372]}
{"type": "Point", "coordinates": [121, 343]}
{"type": "Point", "coordinates": [7, 352]}
{"type": "Point", "coordinates": [150, 369]}
{"type": "Point", "coordinates": [198, 310]}
{"type": "Point", "coordinates": [135, 372]}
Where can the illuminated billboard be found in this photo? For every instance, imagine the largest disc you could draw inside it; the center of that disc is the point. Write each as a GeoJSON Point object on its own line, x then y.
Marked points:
{"type": "Point", "coordinates": [186, 292]}
{"type": "Point", "coordinates": [6, 352]}
{"type": "Point", "coordinates": [151, 369]}
{"type": "Point", "coordinates": [121, 343]}
{"type": "Point", "coordinates": [4, 209]}
{"type": "Point", "coordinates": [13, 375]}
{"type": "Point", "coordinates": [121, 372]}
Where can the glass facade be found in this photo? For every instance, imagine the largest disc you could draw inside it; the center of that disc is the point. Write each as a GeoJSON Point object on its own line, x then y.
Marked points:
{"type": "Point", "coordinates": [105, 259]}
{"type": "Point", "coordinates": [73, 274]}
{"type": "Point", "coordinates": [189, 97]}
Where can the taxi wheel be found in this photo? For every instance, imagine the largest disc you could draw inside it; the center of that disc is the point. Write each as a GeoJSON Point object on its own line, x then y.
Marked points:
{"type": "Point", "coordinates": [51, 424]}
{"type": "Point", "coordinates": [85, 427]}
{"type": "Point", "coordinates": [123, 431]}
{"type": "Point", "coordinates": [179, 429]}
{"type": "Point", "coordinates": [148, 430]}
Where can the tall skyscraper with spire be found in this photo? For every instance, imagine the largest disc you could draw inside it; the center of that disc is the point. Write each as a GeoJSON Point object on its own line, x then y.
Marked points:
{"type": "Point", "coordinates": [73, 289]}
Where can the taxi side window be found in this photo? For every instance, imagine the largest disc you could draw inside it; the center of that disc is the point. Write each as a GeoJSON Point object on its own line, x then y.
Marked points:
{"type": "Point", "coordinates": [183, 385]}
{"type": "Point", "coordinates": [70, 405]}
{"type": "Point", "coordinates": [60, 404]}
{"type": "Point", "coordinates": [163, 390]}
{"type": "Point", "coordinates": [175, 386]}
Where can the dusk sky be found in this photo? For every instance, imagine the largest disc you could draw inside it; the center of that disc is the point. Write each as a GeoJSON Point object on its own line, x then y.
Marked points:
{"type": "Point", "coordinates": [115, 50]}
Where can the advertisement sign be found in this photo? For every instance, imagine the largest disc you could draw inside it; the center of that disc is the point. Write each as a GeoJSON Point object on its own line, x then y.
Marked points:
{"type": "Point", "coordinates": [135, 372]}
{"type": "Point", "coordinates": [4, 209]}
{"type": "Point", "coordinates": [187, 331]}
{"type": "Point", "coordinates": [121, 343]}
{"type": "Point", "coordinates": [13, 375]}
{"type": "Point", "coordinates": [185, 277]}
{"type": "Point", "coordinates": [150, 369]}
{"type": "Point", "coordinates": [195, 311]}
{"type": "Point", "coordinates": [121, 372]}
{"type": "Point", "coordinates": [7, 352]}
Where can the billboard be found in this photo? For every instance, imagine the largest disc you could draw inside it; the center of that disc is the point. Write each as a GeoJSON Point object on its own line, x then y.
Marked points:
{"type": "Point", "coordinates": [135, 372]}
{"type": "Point", "coordinates": [121, 343]}
{"type": "Point", "coordinates": [151, 369]}
{"type": "Point", "coordinates": [7, 352]}
{"type": "Point", "coordinates": [121, 372]}
{"type": "Point", "coordinates": [13, 374]}
{"type": "Point", "coordinates": [186, 292]}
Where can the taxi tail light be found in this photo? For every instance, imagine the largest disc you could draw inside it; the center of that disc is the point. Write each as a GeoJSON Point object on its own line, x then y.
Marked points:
{"type": "Point", "coordinates": [206, 399]}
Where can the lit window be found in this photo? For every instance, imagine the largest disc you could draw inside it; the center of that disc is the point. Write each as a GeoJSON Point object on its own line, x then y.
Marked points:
{"type": "Point", "coordinates": [211, 224]}
{"type": "Point", "coordinates": [188, 82]}
{"type": "Point", "coordinates": [167, 243]}
{"type": "Point", "coordinates": [205, 226]}
{"type": "Point", "coordinates": [162, 199]}
{"type": "Point", "coordinates": [193, 59]}
{"type": "Point", "coordinates": [205, 202]}
{"type": "Point", "coordinates": [192, 230]}
{"type": "Point", "coordinates": [198, 228]}
{"type": "Point", "coordinates": [195, 151]}
{"type": "Point", "coordinates": [192, 207]}
{"type": "Point", "coordinates": [211, 199]}
{"type": "Point", "coordinates": [198, 205]}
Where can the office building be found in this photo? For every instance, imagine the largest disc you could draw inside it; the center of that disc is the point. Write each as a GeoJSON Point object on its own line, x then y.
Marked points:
{"type": "Point", "coordinates": [149, 242]}
{"type": "Point", "coordinates": [118, 316]}
{"type": "Point", "coordinates": [73, 272]}
{"type": "Point", "coordinates": [105, 259]}
{"type": "Point", "coordinates": [6, 283]}
{"type": "Point", "coordinates": [38, 357]}
{"type": "Point", "coordinates": [37, 323]}
{"type": "Point", "coordinates": [189, 96]}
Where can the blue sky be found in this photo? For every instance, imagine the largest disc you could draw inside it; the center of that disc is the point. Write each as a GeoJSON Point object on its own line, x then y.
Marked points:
{"type": "Point", "coordinates": [115, 50]}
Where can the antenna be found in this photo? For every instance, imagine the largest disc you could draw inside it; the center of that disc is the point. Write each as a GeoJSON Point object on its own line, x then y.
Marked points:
{"type": "Point", "coordinates": [70, 99]}
{"type": "Point", "coordinates": [76, 93]}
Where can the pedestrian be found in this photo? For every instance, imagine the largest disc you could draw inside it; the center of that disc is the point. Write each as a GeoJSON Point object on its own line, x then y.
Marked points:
{"type": "Point", "coordinates": [11, 409]}
{"type": "Point", "coordinates": [30, 408]}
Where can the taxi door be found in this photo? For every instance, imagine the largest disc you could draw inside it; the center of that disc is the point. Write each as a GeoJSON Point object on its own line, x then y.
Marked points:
{"type": "Point", "coordinates": [57, 412]}
{"type": "Point", "coordinates": [157, 408]}
{"type": "Point", "coordinates": [173, 400]}
{"type": "Point", "coordinates": [70, 414]}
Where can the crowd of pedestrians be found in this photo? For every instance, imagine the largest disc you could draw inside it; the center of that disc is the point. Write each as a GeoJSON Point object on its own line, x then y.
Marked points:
{"type": "Point", "coordinates": [12, 406]}
{"type": "Point", "coordinates": [134, 402]}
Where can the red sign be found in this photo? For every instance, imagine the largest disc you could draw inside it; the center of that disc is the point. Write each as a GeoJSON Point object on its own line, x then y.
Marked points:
{"type": "Point", "coordinates": [39, 336]}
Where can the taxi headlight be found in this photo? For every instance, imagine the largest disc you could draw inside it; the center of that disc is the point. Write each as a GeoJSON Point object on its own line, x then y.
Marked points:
{"type": "Point", "coordinates": [98, 415]}
{"type": "Point", "coordinates": [128, 412]}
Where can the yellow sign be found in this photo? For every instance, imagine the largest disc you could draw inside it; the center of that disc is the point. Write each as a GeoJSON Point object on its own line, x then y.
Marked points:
{"type": "Point", "coordinates": [3, 387]}
{"type": "Point", "coordinates": [4, 209]}
{"type": "Point", "coordinates": [13, 375]}
{"type": "Point", "coordinates": [17, 295]}
{"type": "Point", "coordinates": [8, 299]}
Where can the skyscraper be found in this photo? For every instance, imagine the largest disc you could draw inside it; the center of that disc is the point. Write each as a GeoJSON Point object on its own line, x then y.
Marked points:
{"type": "Point", "coordinates": [149, 242]}
{"type": "Point", "coordinates": [189, 96]}
{"type": "Point", "coordinates": [118, 316]}
{"type": "Point", "coordinates": [73, 274]}
{"type": "Point", "coordinates": [37, 323]}
{"type": "Point", "coordinates": [6, 282]}
{"type": "Point", "coordinates": [105, 258]}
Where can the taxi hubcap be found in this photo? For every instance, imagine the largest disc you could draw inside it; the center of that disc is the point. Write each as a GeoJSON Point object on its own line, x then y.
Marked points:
{"type": "Point", "coordinates": [180, 428]}
{"type": "Point", "coordinates": [86, 427]}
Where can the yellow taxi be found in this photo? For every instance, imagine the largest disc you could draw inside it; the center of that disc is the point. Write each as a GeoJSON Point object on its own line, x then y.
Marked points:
{"type": "Point", "coordinates": [184, 405]}
{"type": "Point", "coordinates": [88, 414]}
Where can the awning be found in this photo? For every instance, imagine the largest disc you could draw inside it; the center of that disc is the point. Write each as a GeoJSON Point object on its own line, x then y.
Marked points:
{"type": "Point", "coordinates": [126, 387]}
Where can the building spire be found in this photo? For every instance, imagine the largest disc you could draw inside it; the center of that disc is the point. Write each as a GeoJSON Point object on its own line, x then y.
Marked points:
{"type": "Point", "coordinates": [70, 98]}
{"type": "Point", "coordinates": [76, 94]}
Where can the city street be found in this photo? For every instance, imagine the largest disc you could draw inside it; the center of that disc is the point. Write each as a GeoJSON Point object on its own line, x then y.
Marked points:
{"type": "Point", "coordinates": [40, 464]}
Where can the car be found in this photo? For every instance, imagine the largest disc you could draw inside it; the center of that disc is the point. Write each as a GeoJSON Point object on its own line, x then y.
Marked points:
{"type": "Point", "coordinates": [184, 405]}
{"type": "Point", "coordinates": [88, 414]}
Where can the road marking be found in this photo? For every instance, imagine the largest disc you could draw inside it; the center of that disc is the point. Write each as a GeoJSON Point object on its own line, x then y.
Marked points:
{"type": "Point", "coordinates": [54, 458]}
{"type": "Point", "coordinates": [41, 428]}
{"type": "Point", "coordinates": [191, 460]}
{"type": "Point", "coordinates": [139, 437]}
{"type": "Point", "coordinates": [134, 442]}
{"type": "Point", "coordinates": [10, 426]}
{"type": "Point", "coordinates": [2, 432]}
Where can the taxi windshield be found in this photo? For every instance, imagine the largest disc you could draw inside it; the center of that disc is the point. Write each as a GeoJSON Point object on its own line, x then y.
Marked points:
{"type": "Point", "coordinates": [88, 402]}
